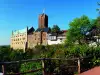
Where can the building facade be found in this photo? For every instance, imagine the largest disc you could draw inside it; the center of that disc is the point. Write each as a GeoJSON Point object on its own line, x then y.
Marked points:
{"type": "Point", "coordinates": [37, 38]}
{"type": "Point", "coordinates": [56, 38]}
{"type": "Point", "coordinates": [19, 38]}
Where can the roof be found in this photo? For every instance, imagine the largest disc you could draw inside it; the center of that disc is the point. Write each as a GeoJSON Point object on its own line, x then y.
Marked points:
{"type": "Point", "coordinates": [42, 29]}
{"type": "Point", "coordinates": [22, 30]}
{"type": "Point", "coordinates": [52, 34]}
{"type": "Point", "coordinates": [64, 30]}
{"type": "Point", "coordinates": [93, 71]}
{"type": "Point", "coordinates": [31, 30]}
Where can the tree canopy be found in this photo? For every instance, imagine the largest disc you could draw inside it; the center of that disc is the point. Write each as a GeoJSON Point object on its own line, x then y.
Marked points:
{"type": "Point", "coordinates": [78, 29]}
{"type": "Point", "coordinates": [55, 29]}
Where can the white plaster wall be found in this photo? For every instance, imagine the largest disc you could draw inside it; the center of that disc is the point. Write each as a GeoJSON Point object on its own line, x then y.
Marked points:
{"type": "Point", "coordinates": [58, 41]}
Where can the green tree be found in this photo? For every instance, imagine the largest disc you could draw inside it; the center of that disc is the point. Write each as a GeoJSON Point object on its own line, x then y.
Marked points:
{"type": "Point", "coordinates": [78, 29]}
{"type": "Point", "coordinates": [49, 29]}
{"type": "Point", "coordinates": [55, 29]}
{"type": "Point", "coordinates": [97, 22]}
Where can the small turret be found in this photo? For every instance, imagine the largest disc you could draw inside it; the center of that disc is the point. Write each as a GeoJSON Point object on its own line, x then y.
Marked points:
{"type": "Point", "coordinates": [12, 32]}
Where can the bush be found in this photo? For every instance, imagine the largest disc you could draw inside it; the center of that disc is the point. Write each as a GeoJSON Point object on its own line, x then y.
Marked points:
{"type": "Point", "coordinates": [28, 66]}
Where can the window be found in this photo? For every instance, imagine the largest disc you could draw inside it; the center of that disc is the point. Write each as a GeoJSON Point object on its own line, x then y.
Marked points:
{"type": "Point", "coordinates": [53, 38]}
{"type": "Point", "coordinates": [60, 38]}
{"type": "Point", "coordinates": [43, 34]}
{"type": "Point", "coordinates": [23, 38]}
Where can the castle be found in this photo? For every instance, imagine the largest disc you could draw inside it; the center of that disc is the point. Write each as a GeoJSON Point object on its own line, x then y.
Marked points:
{"type": "Point", "coordinates": [29, 38]}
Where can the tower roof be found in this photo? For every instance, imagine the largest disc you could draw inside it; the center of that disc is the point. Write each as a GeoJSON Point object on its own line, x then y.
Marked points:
{"type": "Point", "coordinates": [42, 29]}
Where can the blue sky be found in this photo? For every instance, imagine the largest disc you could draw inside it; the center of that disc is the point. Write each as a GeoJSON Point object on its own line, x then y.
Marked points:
{"type": "Point", "coordinates": [17, 14]}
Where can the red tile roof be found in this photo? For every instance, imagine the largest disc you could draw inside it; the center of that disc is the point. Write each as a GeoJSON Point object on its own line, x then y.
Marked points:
{"type": "Point", "coordinates": [93, 71]}
{"type": "Point", "coordinates": [64, 30]}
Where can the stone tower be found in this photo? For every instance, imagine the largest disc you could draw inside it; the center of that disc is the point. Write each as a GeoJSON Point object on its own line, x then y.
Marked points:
{"type": "Point", "coordinates": [43, 21]}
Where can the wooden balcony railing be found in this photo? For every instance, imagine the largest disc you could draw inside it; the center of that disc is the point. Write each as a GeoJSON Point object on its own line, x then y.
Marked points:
{"type": "Point", "coordinates": [42, 60]}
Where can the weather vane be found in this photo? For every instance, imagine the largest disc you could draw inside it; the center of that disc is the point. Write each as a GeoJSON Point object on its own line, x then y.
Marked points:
{"type": "Point", "coordinates": [44, 10]}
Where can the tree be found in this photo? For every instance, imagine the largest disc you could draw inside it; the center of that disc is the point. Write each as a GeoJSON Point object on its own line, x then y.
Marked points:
{"type": "Point", "coordinates": [55, 29]}
{"type": "Point", "coordinates": [98, 9]}
{"type": "Point", "coordinates": [78, 29]}
{"type": "Point", "coordinates": [49, 29]}
{"type": "Point", "coordinates": [97, 22]}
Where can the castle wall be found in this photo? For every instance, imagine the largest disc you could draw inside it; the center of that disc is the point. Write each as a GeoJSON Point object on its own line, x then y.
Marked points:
{"type": "Point", "coordinates": [19, 41]}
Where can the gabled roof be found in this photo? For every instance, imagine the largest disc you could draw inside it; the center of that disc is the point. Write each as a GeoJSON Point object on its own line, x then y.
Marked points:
{"type": "Point", "coordinates": [42, 29]}
{"type": "Point", "coordinates": [31, 30]}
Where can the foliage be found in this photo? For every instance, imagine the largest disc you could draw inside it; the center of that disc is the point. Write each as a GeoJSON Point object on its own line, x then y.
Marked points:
{"type": "Point", "coordinates": [4, 53]}
{"type": "Point", "coordinates": [74, 47]}
{"type": "Point", "coordinates": [17, 55]}
{"type": "Point", "coordinates": [78, 29]}
{"type": "Point", "coordinates": [97, 22]}
{"type": "Point", "coordinates": [28, 66]}
{"type": "Point", "coordinates": [51, 51]}
{"type": "Point", "coordinates": [55, 29]}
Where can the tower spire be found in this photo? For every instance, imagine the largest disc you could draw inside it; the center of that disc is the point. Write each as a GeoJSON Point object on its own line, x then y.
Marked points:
{"type": "Point", "coordinates": [43, 10]}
